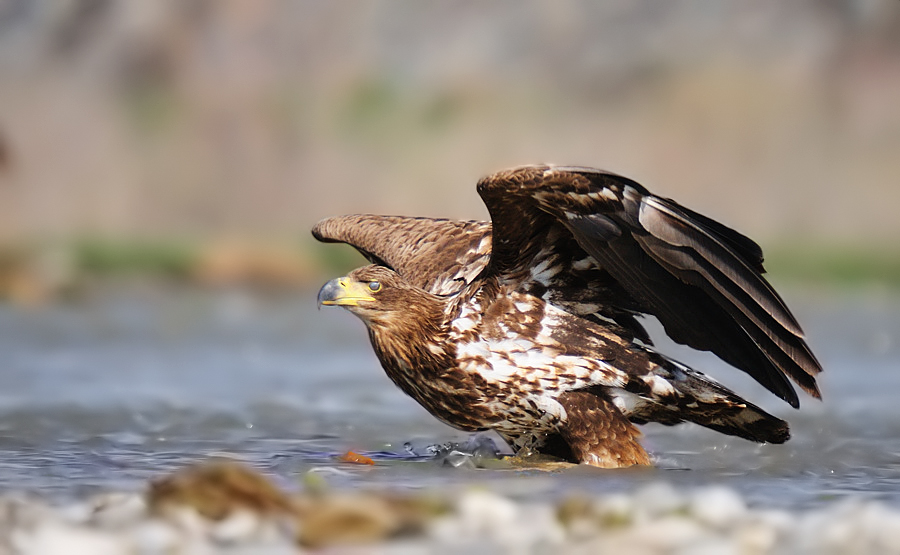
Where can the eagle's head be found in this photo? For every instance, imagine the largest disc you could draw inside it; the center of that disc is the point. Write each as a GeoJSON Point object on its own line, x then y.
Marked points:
{"type": "Point", "coordinates": [379, 296]}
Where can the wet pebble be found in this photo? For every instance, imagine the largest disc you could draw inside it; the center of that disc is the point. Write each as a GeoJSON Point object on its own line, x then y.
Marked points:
{"type": "Point", "coordinates": [57, 538]}
{"type": "Point", "coordinates": [232, 509]}
{"type": "Point", "coordinates": [657, 499]}
{"type": "Point", "coordinates": [716, 506]}
{"type": "Point", "coordinates": [347, 520]}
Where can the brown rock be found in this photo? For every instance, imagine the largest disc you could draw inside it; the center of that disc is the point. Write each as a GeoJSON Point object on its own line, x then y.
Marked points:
{"type": "Point", "coordinates": [217, 489]}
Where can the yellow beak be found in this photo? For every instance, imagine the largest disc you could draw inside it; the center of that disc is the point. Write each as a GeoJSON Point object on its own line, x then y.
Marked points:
{"type": "Point", "coordinates": [343, 292]}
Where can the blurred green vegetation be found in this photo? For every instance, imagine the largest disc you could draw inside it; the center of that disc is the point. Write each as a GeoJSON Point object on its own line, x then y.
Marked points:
{"type": "Point", "coordinates": [836, 265]}
{"type": "Point", "coordinates": [173, 258]}
{"type": "Point", "coordinates": [181, 258]}
{"type": "Point", "coordinates": [840, 265]}
{"type": "Point", "coordinates": [152, 109]}
{"type": "Point", "coordinates": [335, 259]}
{"type": "Point", "coordinates": [375, 108]}
{"type": "Point", "coordinates": [30, 273]}
{"type": "Point", "coordinates": [209, 118]}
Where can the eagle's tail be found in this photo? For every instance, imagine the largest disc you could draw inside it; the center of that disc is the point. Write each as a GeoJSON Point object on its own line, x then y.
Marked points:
{"type": "Point", "coordinates": [700, 399]}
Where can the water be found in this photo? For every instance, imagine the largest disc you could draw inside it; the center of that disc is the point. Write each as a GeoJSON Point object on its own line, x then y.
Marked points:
{"type": "Point", "coordinates": [111, 390]}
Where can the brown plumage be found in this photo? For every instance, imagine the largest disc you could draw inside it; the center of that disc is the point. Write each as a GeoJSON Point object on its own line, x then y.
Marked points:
{"type": "Point", "coordinates": [527, 324]}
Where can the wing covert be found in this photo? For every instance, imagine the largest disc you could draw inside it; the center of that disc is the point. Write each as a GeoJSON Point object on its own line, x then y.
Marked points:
{"type": "Point", "coordinates": [701, 279]}
{"type": "Point", "coordinates": [437, 255]}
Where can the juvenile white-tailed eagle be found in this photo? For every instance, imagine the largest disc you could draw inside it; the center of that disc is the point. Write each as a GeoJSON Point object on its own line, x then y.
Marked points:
{"type": "Point", "coordinates": [527, 324]}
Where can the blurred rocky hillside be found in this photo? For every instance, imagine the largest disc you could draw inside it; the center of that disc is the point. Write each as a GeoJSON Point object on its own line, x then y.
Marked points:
{"type": "Point", "coordinates": [201, 118]}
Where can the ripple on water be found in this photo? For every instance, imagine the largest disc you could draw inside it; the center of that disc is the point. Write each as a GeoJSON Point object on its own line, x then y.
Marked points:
{"type": "Point", "coordinates": [109, 394]}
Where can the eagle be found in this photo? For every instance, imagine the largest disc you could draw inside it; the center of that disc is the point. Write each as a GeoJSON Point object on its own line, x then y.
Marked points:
{"type": "Point", "coordinates": [528, 325]}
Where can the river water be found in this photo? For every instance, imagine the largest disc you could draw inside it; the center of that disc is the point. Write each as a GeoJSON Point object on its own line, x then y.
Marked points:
{"type": "Point", "coordinates": [110, 390]}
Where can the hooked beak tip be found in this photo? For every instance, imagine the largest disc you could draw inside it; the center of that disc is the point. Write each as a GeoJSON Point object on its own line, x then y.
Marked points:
{"type": "Point", "coordinates": [341, 292]}
{"type": "Point", "coordinates": [328, 293]}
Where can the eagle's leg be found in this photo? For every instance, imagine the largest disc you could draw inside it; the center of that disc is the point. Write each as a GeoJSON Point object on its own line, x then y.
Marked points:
{"type": "Point", "coordinates": [556, 446]}
{"type": "Point", "coordinates": [598, 434]}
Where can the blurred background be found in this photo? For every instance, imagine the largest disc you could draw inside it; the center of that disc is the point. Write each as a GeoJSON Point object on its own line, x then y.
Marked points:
{"type": "Point", "coordinates": [162, 162]}
{"type": "Point", "coordinates": [202, 139]}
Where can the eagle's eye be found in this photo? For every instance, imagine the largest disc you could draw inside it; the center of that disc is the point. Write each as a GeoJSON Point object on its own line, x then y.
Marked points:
{"type": "Point", "coordinates": [374, 286]}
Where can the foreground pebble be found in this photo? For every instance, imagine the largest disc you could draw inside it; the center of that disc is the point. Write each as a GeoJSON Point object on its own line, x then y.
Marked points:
{"type": "Point", "coordinates": [231, 509]}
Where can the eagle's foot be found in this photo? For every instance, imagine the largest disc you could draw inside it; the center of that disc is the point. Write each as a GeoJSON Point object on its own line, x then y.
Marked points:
{"type": "Point", "coordinates": [477, 452]}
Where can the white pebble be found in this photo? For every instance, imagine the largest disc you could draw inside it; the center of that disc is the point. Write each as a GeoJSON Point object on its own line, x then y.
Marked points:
{"type": "Point", "coordinates": [115, 510]}
{"type": "Point", "coordinates": [886, 530]}
{"type": "Point", "coordinates": [755, 536]}
{"type": "Point", "coordinates": [654, 519]}
{"type": "Point", "coordinates": [59, 538]}
{"type": "Point", "coordinates": [778, 519]}
{"type": "Point", "coordinates": [667, 532]}
{"type": "Point", "coordinates": [615, 508]}
{"type": "Point", "coordinates": [445, 530]}
{"type": "Point", "coordinates": [238, 526]}
{"type": "Point", "coordinates": [23, 511]}
{"type": "Point", "coordinates": [717, 506]}
{"type": "Point", "coordinates": [156, 536]}
{"type": "Point", "coordinates": [189, 521]}
{"type": "Point", "coordinates": [484, 513]}
{"type": "Point", "coordinates": [832, 529]}
{"type": "Point", "coordinates": [714, 546]}
{"type": "Point", "coordinates": [480, 516]}
{"type": "Point", "coordinates": [76, 513]}
{"type": "Point", "coordinates": [535, 525]}
{"type": "Point", "coordinates": [657, 499]}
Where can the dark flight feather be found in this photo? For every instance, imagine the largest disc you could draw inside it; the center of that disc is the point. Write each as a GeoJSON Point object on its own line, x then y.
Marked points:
{"type": "Point", "coordinates": [703, 281]}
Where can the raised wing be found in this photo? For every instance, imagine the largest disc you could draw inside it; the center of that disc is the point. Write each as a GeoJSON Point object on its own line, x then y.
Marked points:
{"type": "Point", "coordinates": [701, 279]}
{"type": "Point", "coordinates": [439, 256]}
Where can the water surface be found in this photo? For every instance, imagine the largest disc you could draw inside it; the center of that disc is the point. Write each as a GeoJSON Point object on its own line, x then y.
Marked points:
{"type": "Point", "coordinates": [109, 390]}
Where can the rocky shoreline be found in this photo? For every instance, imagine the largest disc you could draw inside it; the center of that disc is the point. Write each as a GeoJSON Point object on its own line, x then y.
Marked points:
{"type": "Point", "coordinates": [224, 507]}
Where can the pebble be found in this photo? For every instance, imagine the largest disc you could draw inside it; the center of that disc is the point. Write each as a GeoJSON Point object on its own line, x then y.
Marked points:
{"type": "Point", "coordinates": [234, 510]}
{"type": "Point", "coordinates": [657, 499]}
{"type": "Point", "coordinates": [716, 506]}
{"type": "Point", "coordinates": [156, 536]}
{"type": "Point", "coordinates": [345, 519]}
{"type": "Point", "coordinates": [60, 538]}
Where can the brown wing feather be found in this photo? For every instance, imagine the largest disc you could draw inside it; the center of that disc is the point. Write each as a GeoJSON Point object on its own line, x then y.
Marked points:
{"type": "Point", "coordinates": [701, 279]}
{"type": "Point", "coordinates": [439, 256]}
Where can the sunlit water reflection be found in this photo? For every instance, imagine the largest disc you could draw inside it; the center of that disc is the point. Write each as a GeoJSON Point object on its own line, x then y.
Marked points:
{"type": "Point", "coordinates": [108, 393]}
